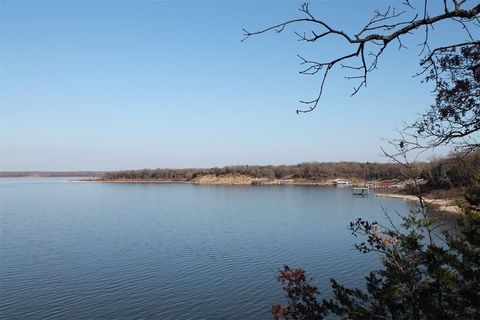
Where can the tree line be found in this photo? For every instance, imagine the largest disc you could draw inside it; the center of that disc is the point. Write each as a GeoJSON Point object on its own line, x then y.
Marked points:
{"type": "Point", "coordinates": [309, 171]}
{"type": "Point", "coordinates": [452, 171]}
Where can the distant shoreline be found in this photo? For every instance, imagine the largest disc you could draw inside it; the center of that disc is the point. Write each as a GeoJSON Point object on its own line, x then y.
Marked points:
{"type": "Point", "coordinates": [232, 181]}
{"type": "Point", "coordinates": [51, 174]}
{"type": "Point", "coordinates": [129, 181]}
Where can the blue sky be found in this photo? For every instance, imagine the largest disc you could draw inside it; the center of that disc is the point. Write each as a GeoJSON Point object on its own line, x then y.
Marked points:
{"type": "Point", "coordinates": [107, 85]}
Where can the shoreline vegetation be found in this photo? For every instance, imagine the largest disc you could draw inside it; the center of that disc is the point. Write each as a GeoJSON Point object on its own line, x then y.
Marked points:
{"type": "Point", "coordinates": [387, 179]}
{"type": "Point", "coordinates": [229, 179]}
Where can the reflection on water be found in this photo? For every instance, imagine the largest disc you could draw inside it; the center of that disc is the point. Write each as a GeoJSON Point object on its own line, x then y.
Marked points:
{"type": "Point", "coordinates": [152, 251]}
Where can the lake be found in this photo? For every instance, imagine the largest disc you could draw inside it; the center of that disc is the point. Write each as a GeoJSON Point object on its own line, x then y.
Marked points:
{"type": "Point", "coordinates": [171, 251]}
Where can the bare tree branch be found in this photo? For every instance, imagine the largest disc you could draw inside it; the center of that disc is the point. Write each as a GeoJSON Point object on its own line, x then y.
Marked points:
{"type": "Point", "coordinates": [383, 28]}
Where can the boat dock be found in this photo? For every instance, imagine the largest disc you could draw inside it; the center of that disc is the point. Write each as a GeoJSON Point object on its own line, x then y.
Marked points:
{"type": "Point", "coordinates": [361, 191]}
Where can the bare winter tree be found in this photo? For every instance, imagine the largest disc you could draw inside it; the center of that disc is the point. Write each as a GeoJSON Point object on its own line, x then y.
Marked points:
{"type": "Point", "coordinates": [454, 67]}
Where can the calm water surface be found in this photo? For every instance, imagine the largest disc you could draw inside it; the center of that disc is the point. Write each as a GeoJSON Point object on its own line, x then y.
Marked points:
{"type": "Point", "coordinates": [154, 251]}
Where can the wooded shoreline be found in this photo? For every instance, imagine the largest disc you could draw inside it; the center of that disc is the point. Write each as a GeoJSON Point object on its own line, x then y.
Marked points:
{"type": "Point", "coordinates": [218, 180]}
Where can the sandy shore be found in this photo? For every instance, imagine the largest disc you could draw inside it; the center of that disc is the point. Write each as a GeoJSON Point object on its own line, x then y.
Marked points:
{"type": "Point", "coordinates": [442, 205]}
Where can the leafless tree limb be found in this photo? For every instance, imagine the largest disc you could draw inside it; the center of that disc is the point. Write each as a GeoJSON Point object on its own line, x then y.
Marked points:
{"type": "Point", "coordinates": [383, 28]}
